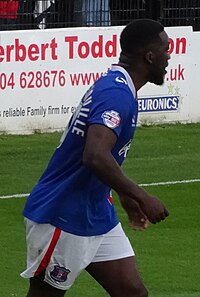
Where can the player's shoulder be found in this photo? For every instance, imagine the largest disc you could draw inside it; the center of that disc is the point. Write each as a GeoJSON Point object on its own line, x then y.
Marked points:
{"type": "Point", "coordinates": [113, 78]}
{"type": "Point", "coordinates": [117, 79]}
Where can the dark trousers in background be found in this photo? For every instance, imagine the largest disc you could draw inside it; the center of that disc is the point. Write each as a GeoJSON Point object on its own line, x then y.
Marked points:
{"type": "Point", "coordinates": [8, 24]}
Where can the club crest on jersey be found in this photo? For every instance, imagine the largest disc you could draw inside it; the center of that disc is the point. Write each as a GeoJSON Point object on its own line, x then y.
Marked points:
{"type": "Point", "coordinates": [111, 119]}
{"type": "Point", "coordinates": [59, 273]}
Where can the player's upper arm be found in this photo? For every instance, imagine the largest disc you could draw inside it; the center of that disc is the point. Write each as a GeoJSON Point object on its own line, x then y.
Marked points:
{"type": "Point", "coordinates": [111, 108]}
{"type": "Point", "coordinates": [99, 144]}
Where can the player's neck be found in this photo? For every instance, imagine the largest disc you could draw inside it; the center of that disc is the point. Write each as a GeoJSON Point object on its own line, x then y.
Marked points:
{"type": "Point", "coordinates": [136, 74]}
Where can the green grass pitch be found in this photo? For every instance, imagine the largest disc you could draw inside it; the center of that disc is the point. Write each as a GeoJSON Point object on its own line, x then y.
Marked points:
{"type": "Point", "coordinates": [167, 253]}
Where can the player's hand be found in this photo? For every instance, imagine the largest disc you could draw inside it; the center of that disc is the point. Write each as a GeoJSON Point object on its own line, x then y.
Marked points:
{"type": "Point", "coordinates": [139, 225]}
{"type": "Point", "coordinates": [137, 219]}
{"type": "Point", "coordinates": [154, 209]}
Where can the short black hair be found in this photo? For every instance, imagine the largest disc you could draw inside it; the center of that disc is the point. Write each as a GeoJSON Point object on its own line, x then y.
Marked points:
{"type": "Point", "coordinates": [139, 34]}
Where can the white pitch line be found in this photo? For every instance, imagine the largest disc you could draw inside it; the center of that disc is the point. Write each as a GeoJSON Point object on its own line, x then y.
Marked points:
{"type": "Point", "coordinates": [14, 196]}
{"type": "Point", "coordinates": [187, 181]}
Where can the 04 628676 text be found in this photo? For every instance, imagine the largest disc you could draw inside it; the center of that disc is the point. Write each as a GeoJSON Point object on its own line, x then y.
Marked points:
{"type": "Point", "coordinates": [31, 79]}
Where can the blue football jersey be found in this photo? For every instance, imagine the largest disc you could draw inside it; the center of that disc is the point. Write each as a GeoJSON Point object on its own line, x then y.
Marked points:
{"type": "Point", "coordinates": [69, 195]}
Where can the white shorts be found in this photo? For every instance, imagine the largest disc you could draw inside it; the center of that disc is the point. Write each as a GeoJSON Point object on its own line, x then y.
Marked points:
{"type": "Point", "coordinates": [63, 255]}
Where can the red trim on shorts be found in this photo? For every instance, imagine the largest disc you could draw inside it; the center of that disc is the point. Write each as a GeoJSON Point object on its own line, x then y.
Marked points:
{"type": "Point", "coordinates": [45, 261]}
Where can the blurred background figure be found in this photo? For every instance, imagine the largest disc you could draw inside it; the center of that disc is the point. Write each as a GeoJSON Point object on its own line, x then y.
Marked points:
{"type": "Point", "coordinates": [53, 13]}
{"type": "Point", "coordinates": [45, 14]}
{"type": "Point", "coordinates": [92, 13]}
{"type": "Point", "coordinates": [8, 14]}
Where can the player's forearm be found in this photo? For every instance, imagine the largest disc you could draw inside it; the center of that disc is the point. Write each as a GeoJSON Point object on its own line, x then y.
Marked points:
{"type": "Point", "coordinates": [108, 170]}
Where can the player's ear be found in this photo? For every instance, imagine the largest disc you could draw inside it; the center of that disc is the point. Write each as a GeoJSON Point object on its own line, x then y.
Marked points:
{"type": "Point", "coordinates": [149, 57]}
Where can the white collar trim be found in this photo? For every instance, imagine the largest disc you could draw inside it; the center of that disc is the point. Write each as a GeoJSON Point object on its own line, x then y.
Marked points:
{"type": "Point", "coordinates": [128, 78]}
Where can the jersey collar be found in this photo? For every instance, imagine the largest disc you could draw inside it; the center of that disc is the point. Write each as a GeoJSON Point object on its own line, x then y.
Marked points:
{"type": "Point", "coordinates": [128, 78]}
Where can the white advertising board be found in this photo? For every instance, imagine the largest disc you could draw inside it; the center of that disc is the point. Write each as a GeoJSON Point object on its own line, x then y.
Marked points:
{"type": "Point", "coordinates": [44, 74]}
